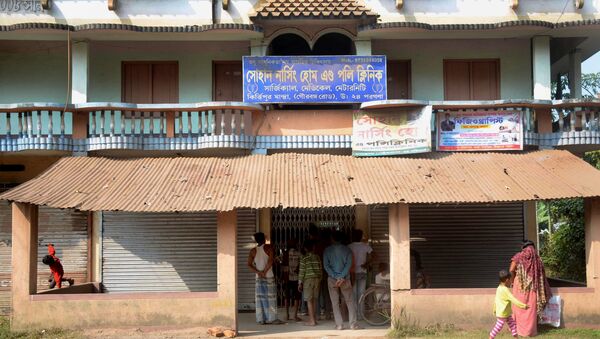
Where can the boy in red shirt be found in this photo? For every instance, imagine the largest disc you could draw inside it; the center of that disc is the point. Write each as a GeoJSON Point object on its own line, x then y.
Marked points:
{"type": "Point", "coordinates": [56, 268]}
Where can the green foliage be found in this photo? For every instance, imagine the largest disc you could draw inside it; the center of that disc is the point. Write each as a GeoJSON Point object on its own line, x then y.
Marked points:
{"type": "Point", "coordinates": [6, 333]}
{"type": "Point", "coordinates": [404, 326]}
{"type": "Point", "coordinates": [562, 237]}
{"type": "Point", "coordinates": [590, 86]}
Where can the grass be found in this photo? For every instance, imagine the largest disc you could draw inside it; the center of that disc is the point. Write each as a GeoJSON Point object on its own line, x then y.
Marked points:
{"type": "Point", "coordinates": [406, 327]}
{"type": "Point", "coordinates": [51, 333]}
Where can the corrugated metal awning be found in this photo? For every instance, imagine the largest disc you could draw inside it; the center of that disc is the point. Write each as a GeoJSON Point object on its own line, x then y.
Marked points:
{"type": "Point", "coordinates": [306, 181]}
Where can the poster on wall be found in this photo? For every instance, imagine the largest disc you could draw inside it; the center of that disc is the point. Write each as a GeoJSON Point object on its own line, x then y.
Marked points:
{"type": "Point", "coordinates": [480, 131]}
{"type": "Point", "coordinates": [314, 79]}
{"type": "Point", "coordinates": [400, 131]}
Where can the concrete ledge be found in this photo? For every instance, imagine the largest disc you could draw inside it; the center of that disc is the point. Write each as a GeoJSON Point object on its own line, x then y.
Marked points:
{"type": "Point", "coordinates": [123, 296]}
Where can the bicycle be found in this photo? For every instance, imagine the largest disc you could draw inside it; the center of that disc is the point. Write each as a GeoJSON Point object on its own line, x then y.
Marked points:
{"type": "Point", "coordinates": [375, 305]}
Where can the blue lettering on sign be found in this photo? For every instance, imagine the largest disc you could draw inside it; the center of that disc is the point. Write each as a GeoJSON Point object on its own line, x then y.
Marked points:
{"type": "Point", "coordinates": [314, 79]}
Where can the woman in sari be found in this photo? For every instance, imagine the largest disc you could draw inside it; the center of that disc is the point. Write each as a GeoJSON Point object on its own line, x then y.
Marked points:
{"type": "Point", "coordinates": [531, 287]}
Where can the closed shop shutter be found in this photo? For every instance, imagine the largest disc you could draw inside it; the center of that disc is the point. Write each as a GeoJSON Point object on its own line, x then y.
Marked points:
{"type": "Point", "coordinates": [466, 245]}
{"type": "Point", "coordinates": [68, 231]}
{"type": "Point", "coordinates": [5, 255]}
{"type": "Point", "coordinates": [379, 233]}
{"type": "Point", "coordinates": [159, 252]}
{"type": "Point", "coordinates": [245, 242]}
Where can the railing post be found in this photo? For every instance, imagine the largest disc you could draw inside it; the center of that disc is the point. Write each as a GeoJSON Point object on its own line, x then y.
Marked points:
{"type": "Point", "coordinates": [29, 123]}
{"type": "Point", "coordinates": [242, 123]}
{"type": "Point", "coordinates": [222, 120]}
{"type": "Point", "coordinates": [112, 123]}
{"type": "Point", "coordinates": [38, 125]}
{"type": "Point", "coordinates": [102, 122]}
{"type": "Point", "coordinates": [123, 123]}
{"type": "Point", "coordinates": [50, 127]}
{"type": "Point", "coordinates": [170, 117]}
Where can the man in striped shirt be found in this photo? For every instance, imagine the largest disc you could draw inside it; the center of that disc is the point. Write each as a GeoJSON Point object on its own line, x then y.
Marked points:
{"type": "Point", "coordinates": [309, 279]}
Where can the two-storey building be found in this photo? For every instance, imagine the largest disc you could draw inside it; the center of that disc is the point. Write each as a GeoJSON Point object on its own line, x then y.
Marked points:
{"type": "Point", "coordinates": [125, 125]}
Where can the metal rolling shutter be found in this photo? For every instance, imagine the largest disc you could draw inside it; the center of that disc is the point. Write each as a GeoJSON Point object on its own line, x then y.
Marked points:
{"type": "Point", "coordinates": [379, 233]}
{"type": "Point", "coordinates": [68, 231]}
{"type": "Point", "coordinates": [466, 245]}
{"type": "Point", "coordinates": [245, 242]}
{"type": "Point", "coordinates": [159, 252]}
{"type": "Point", "coordinates": [5, 255]}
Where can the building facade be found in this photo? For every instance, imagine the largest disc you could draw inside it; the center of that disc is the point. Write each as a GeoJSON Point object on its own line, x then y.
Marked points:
{"type": "Point", "coordinates": [100, 102]}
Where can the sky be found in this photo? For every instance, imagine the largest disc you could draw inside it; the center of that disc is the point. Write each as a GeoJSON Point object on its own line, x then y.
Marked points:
{"type": "Point", "coordinates": [592, 64]}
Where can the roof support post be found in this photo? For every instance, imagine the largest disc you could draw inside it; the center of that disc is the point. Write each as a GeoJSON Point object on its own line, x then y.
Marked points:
{"type": "Point", "coordinates": [80, 60]}
{"type": "Point", "coordinates": [96, 247]}
{"type": "Point", "coordinates": [575, 74]}
{"type": "Point", "coordinates": [541, 67]}
{"type": "Point", "coordinates": [399, 4]}
{"type": "Point", "coordinates": [363, 47]}
{"type": "Point", "coordinates": [112, 5]}
{"type": "Point", "coordinates": [24, 257]}
{"type": "Point", "coordinates": [399, 225]}
{"type": "Point", "coordinates": [46, 4]}
{"type": "Point", "coordinates": [227, 261]}
{"type": "Point", "coordinates": [592, 242]}
{"type": "Point", "coordinates": [258, 47]}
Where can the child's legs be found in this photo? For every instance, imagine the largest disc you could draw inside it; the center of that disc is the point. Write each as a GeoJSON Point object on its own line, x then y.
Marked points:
{"type": "Point", "coordinates": [58, 279]}
{"type": "Point", "coordinates": [513, 326]}
{"type": "Point", "coordinates": [498, 327]}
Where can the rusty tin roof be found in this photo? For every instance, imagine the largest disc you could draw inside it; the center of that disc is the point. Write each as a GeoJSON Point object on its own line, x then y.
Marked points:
{"type": "Point", "coordinates": [306, 181]}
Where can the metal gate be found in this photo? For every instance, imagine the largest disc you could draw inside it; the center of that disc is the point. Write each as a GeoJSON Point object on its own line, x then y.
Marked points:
{"type": "Point", "coordinates": [466, 245]}
{"type": "Point", "coordinates": [159, 252]}
{"type": "Point", "coordinates": [245, 242]}
{"type": "Point", "coordinates": [293, 223]}
{"type": "Point", "coordinates": [379, 233]}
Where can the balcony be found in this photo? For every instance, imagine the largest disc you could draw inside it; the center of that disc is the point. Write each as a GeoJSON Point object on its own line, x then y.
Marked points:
{"type": "Point", "coordinates": [35, 126]}
{"type": "Point", "coordinates": [121, 126]}
{"type": "Point", "coordinates": [43, 127]}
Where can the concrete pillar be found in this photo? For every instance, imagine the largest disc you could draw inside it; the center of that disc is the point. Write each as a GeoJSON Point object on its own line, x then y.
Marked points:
{"type": "Point", "coordinates": [575, 74]}
{"type": "Point", "coordinates": [24, 253]}
{"type": "Point", "coordinates": [363, 47]}
{"type": "Point", "coordinates": [592, 242]}
{"type": "Point", "coordinates": [264, 223]}
{"type": "Point", "coordinates": [541, 65]}
{"type": "Point", "coordinates": [399, 248]}
{"type": "Point", "coordinates": [226, 261]}
{"type": "Point", "coordinates": [258, 47]}
{"type": "Point", "coordinates": [80, 60]}
{"type": "Point", "coordinates": [531, 229]}
{"type": "Point", "coordinates": [96, 248]}
{"type": "Point", "coordinates": [361, 216]}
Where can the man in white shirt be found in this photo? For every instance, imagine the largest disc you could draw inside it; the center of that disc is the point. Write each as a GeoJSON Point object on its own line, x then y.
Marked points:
{"type": "Point", "coordinates": [361, 253]}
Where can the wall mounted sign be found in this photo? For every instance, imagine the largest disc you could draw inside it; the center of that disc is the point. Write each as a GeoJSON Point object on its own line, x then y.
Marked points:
{"type": "Point", "coordinates": [480, 131]}
{"type": "Point", "coordinates": [401, 131]}
{"type": "Point", "coordinates": [314, 79]}
{"type": "Point", "coordinates": [7, 6]}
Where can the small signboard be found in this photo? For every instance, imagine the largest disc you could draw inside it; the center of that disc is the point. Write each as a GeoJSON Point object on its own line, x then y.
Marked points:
{"type": "Point", "coordinates": [480, 131]}
{"type": "Point", "coordinates": [400, 131]}
{"type": "Point", "coordinates": [314, 79]}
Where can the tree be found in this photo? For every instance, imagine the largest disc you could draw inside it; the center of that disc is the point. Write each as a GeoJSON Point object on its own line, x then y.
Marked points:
{"type": "Point", "coordinates": [590, 86]}
{"type": "Point", "coordinates": [562, 236]}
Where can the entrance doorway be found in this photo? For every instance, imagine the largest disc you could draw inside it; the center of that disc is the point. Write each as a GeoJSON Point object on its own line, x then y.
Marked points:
{"type": "Point", "coordinates": [293, 223]}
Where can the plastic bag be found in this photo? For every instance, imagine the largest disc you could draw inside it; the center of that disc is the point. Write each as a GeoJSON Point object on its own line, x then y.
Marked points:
{"type": "Point", "coordinates": [552, 313]}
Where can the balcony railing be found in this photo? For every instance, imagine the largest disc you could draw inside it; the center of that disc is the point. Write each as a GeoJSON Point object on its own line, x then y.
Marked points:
{"type": "Point", "coordinates": [114, 126]}
{"type": "Point", "coordinates": [169, 126]}
{"type": "Point", "coordinates": [35, 126]}
{"type": "Point", "coordinates": [104, 126]}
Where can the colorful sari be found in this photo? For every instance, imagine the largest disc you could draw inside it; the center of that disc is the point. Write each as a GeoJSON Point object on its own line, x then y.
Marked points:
{"type": "Point", "coordinates": [531, 287]}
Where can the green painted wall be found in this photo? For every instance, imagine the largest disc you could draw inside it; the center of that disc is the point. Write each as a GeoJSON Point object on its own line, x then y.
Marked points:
{"type": "Point", "coordinates": [427, 61]}
{"type": "Point", "coordinates": [195, 67]}
{"type": "Point", "coordinates": [33, 73]}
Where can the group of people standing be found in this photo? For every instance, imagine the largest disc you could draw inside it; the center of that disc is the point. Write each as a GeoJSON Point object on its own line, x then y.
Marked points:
{"type": "Point", "coordinates": [319, 273]}
{"type": "Point", "coordinates": [531, 292]}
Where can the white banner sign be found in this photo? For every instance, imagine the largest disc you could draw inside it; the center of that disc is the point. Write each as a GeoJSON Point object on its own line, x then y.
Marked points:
{"type": "Point", "coordinates": [480, 131]}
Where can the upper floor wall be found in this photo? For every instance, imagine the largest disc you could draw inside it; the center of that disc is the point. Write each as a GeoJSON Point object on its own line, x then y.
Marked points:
{"type": "Point", "coordinates": [207, 12]}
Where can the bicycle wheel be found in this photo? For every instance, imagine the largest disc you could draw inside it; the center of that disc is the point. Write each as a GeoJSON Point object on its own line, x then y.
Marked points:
{"type": "Point", "coordinates": [375, 306]}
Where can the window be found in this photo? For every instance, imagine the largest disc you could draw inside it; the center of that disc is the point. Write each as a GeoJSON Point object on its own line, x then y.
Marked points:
{"type": "Point", "coordinates": [472, 79]}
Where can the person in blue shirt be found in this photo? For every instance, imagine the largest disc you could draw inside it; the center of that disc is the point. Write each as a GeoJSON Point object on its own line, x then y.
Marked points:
{"type": "Point", "coordinates": [337, 260]}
